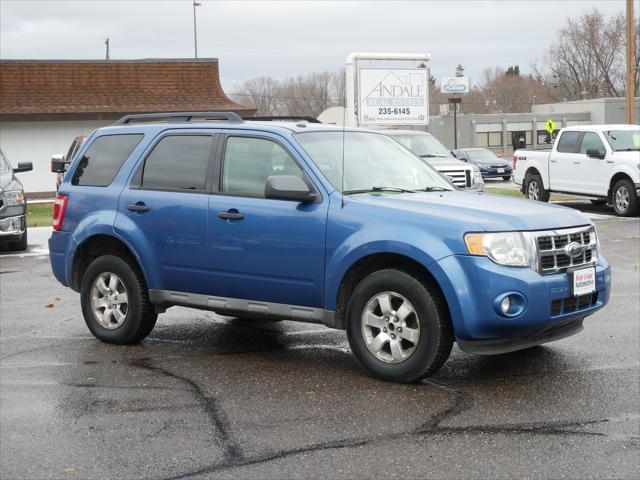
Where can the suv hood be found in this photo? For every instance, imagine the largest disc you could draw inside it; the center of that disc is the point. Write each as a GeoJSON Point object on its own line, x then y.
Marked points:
{"type": "Point", "coordinates": [478, 211]}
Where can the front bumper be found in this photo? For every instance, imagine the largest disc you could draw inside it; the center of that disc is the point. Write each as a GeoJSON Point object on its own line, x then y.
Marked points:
{"type": "Point", "coordinates": [12, 223]}
{"type": "Point", "coordinates": [472, 284]}
{"type": "Point", "coordinates": [493, 172]}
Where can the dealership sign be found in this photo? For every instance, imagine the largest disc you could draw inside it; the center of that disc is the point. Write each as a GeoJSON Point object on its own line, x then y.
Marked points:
{"type": "Point", "coordinates": [393, 96]}
{"type": "Point", "coordinates": [455, 85]}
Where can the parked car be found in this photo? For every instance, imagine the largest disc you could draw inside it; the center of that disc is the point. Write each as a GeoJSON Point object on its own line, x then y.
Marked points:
{"type": "Point", "coordinates": [601, 162]}
{"type": "Point", "coordinates": [490, 165]}
{"type": "Point", "coordinates": [60, 161]}
{"type": "Point", "coordinates": [13, 205]}
{"type": "Point", "coordinates": [315, 223]}
{"type": "Point", "coordinates": [429, 148]}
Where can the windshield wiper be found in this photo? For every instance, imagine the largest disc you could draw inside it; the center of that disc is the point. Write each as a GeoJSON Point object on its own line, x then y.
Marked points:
{"type": "Point", "coordinates": [378, 189]}
{"type": "Point", "coordinates": [630, 149]}
{"type": "Point", "coordinates": [433, 155]}
{"type": "Point", "coordinates": [434, 189]}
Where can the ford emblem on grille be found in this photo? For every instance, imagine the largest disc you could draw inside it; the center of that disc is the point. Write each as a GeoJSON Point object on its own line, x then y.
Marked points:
{"type": "Point", "coordinates": [573, 249]}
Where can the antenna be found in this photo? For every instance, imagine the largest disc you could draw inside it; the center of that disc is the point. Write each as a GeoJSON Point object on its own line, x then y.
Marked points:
{"type": "Point", "coordinates": [106, 43]}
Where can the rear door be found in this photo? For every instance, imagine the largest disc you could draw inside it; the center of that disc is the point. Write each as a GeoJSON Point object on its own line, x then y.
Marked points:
{"type": "Point", "coordinates": [165, 209]}
{"type": "Point", "coordinates": [264, 249]}
{"type": "Point", "coordinates": [564, 162]}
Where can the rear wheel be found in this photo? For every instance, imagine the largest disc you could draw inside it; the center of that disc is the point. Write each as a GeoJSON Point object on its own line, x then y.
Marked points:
{"type": "Point", "coordinates": [115, 301]}
{"type": "Point", "coordinates": [534, 188]}
{"type": "Point", "coordinates": [398, 327]}
{"type": "Point", "coordinates": [624, 198]}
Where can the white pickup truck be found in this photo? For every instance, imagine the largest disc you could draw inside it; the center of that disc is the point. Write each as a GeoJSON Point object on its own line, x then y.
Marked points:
{"type": "Point", "coordinates": [601, 162]}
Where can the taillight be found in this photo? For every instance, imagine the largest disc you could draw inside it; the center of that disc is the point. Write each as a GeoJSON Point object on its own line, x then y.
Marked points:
{"type": "Point", "coordinates": [513, 161]}
{"type": "Point", "coordinates": [59, 207]}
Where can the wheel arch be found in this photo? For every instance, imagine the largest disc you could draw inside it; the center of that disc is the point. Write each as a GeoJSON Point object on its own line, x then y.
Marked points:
{"type": "Point", "coordinates": [368, 264]}
{"type": "Point", "coordinates": [95, 246]}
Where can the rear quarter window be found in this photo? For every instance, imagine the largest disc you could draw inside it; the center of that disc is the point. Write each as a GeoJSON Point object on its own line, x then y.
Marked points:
{"type": "Point", "coordinates": [103, 159]}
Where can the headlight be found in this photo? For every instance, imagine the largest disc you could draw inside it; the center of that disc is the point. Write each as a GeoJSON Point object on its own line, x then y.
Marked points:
{"type": "Point", "coordinates": [504, 248]}
{"type": "Point", "coordinates": [483, 165]}
{"type": "Point", "coordinates": [13, 194]}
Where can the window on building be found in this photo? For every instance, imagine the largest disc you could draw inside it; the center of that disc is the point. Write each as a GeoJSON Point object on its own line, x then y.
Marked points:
{"type": "Point", "coordinates": [102, 160]}
{"type": "Point", "coordinates": [248, 162]}
{"type": "Point", "coordinates": [488, 139]}
{"type": "Point", "coordinates": [568, 142]}
{"type": "Point", "coordinates": [178, 162]}
{"type": "Point", "coordinates": [591, 140]}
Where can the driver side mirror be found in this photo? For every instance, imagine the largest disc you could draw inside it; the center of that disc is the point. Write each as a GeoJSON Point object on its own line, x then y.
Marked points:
{"type": "Point", "coordinates": [23, 167]}
{"type": "Point", "coordinates": [595, 153]}
{"type": "Point", "coordinates": [58, 165]}
{"type": "Point", "coordinates": [289, 187]}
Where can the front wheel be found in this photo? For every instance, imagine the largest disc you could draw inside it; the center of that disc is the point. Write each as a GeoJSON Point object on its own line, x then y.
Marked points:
{"type": "Point", "coordinates": [625, 200]}
{"type": "Point", "coordinates": [534, 188]}
{"type": "Point", "coordinates": [115, 301]}
{"type": "Point", "coordinates": [398, 327]}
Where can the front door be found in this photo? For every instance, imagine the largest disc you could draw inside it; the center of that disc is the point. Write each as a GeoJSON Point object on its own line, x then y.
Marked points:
{"type": "Point", "coordinates": [165, 211]}
{"type": "Point", "coordinates": [264, 249]}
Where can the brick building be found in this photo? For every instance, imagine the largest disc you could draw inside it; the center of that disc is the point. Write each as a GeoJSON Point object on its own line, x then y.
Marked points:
{"type": "Point", "coordinates": [44, 104]}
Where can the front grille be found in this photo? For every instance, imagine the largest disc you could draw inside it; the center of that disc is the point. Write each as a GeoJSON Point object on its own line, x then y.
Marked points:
{"type": "Point", "coordinates": [460, 178]}
{"type": "Point", "coordinates": [553, 256]}
{"type": "Point", "coordinates": [573, 304]}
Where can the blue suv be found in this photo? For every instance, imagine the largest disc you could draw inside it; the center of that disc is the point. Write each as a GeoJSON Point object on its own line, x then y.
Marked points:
{"type": "Point", "coordinates": [314, 223]}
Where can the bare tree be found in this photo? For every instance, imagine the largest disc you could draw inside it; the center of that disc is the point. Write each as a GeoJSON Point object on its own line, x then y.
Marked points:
{"type": "Point", "coordinates": [260, 93]}
{"type": "Point", "coordinates": [587, 58]}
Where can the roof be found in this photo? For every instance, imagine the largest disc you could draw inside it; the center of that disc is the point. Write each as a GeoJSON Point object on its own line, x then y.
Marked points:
{"type": "Point", "coordinates": [393, 131]}
{"type": "Point", "coordinates": [60, 89]}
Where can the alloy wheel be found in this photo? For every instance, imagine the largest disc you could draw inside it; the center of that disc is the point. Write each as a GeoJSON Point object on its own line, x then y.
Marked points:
{"type": "Point", "coordinates": [109, 300]}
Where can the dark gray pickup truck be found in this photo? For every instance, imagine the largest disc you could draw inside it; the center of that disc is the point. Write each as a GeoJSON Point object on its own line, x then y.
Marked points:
{"type": "Point", "coordinates": [13, 206]}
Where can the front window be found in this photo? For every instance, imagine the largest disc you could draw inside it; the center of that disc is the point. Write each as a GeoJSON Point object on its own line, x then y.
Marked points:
{"type": "Point", "coordinates": [4, 165]}
{"type": "Point", "coordinates": [371, 161]}
{"type": "Point", "coordinates": [423, 145]}
{"type": "Point", "coordinates": [623, 140]}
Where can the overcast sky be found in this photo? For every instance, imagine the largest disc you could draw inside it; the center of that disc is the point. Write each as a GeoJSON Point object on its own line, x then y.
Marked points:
{"type": "Point", "coordinates": [282, 39]}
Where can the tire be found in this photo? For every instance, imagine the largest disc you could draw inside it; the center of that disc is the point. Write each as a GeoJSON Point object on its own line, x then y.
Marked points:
{"type": "Point", "coordinates": [534, 188]}
{"type": "Point", "coordinates": [409, 361]}
{"type": "Point", "coordinates": [136, 317]}
{"type": "Point", "coordinates": [624, 198]}
{"type": "Point", "coordinates": [598, 201]}
{"type": "Point", "coordinates": [20, 245]}
{"type": "Point", "coordinates": [507, 178]}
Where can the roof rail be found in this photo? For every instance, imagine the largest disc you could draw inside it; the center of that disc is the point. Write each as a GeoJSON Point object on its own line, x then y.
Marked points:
{"type": "Point", "coordinates": [179, 117]}
{"type": "Point", "coordinates": [291, 118]}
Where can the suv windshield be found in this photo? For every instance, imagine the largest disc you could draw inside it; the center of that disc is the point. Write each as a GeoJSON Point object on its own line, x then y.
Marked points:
{"type": "Point", "coordinates": [4, 165]}
{"type": "Point", "coordinates": [372, 162]}
{"type": "Point", "coordinates": [623, 140]}
{"type": "Point", "coordinates": [422, 144]}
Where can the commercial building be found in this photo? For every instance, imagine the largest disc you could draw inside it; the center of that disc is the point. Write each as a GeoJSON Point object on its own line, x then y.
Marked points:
{"type": "Point", "coordinates": [45, 104]}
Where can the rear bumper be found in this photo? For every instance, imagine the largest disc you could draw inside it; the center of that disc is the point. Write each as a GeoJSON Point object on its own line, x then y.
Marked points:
{"type": "Point", "coordinates": [60, 244]}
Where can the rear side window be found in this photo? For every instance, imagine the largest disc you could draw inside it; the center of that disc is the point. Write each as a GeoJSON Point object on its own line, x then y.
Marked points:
{"type": "Point", "coordinates": [568, 142]}
{"type": "Point", "coordinates": [178, 162]}
{"type": "Point", "coordinates": [102, 160]}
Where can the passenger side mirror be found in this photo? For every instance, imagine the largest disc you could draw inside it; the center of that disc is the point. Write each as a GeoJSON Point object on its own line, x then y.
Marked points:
{"type": "Point", "coordinates": [595, 153]}
{"type": "Point", "coordinates": [23, 167]}
{"type": "Point", "coordinates": [289, 187]}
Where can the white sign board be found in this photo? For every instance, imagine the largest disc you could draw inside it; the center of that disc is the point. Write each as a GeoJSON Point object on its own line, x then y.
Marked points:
{"type": "Point", "coordinates": [393, 96]}
{"type": "Point", "coordinates": [455, 85]}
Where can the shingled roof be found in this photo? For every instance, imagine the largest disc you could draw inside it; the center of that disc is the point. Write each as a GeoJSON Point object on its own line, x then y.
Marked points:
{"type": "Point", "coordinates": [67, 89]}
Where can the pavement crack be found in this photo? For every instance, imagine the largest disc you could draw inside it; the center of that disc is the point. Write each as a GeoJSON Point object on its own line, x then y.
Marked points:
{"type": "Point", "coordinates": [217, 417]}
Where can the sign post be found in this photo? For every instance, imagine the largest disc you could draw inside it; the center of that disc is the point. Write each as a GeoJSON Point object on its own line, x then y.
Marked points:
{"type": "Point", "coordinates": [455, 85]}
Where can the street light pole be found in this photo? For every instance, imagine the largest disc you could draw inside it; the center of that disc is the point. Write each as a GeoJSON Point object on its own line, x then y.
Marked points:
{"type": "Point", "coordinates": [630, 63]}
{"type": "Point", "coordinates": [195, 31]}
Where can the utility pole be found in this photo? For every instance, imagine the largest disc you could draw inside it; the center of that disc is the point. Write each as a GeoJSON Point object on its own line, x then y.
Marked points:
{"type": "Point", "coordinates": [106, 43]}
{"type": "Point", "coordinates": [630, 65]}
{"type": "Point", "coordinates": [195, 31]}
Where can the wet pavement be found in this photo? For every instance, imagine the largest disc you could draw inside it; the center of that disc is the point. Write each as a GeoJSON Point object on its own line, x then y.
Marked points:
{"type": "Point", "coordinates": [214, 397]}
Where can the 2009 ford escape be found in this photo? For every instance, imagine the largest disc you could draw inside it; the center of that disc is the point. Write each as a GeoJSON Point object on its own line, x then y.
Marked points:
{"type": "Point", "coordinates": [260, 219]}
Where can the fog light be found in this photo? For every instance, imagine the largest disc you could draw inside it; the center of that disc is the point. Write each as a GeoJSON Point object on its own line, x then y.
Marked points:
{"type": "Point", "coordinates": [505, 305]}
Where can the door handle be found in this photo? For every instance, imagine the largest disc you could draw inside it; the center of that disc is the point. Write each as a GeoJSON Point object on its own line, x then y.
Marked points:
{"type": "Point", "coordinates": [553, 161]}
{"type": "Point", "coordinates": [576, 163]}
{"type": "Point", "coordinates": [231, 215]}
{"type": "Point", "coordinates": [138, 207]}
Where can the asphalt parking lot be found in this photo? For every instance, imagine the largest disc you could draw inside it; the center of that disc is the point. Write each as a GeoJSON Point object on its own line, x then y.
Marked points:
{"type": "Point", "coordinates": [212, 397]}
